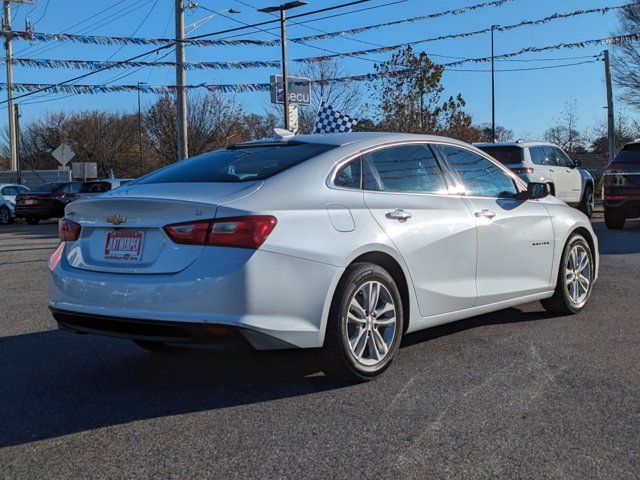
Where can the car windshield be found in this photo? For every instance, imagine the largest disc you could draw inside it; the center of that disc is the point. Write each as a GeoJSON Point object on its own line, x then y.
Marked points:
{"type": "Point", "coordinates": [46, 188]}
{"type": "Point", "coordinates": [95, 187]}
{"type": "Point", "coordinates": [505, 155]}
{"type": "Point", "coordinates": [629, 154]}
{"type": "Point", "coordinates": [242, 163]}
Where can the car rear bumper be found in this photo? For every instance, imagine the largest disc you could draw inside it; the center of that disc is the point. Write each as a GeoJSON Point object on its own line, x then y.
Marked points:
{"type": "Point", "coordinates": [278, 296]}
{"type": "Point", "coordinates": [629, 206]}
{"type": "Point", "coordinates": [39, 212]}
{"type": "Point", "coordinates": [197, 335]}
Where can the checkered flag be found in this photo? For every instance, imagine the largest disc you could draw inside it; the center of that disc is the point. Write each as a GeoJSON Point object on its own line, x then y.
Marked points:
{"type": "Point", "coordinates": [332, 121]}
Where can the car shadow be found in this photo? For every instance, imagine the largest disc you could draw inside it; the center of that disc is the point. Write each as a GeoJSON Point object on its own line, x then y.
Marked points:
{"type": "Point", "coordinates": [43, 231]}
{"type": "Point", "coordinates": [55, 383]}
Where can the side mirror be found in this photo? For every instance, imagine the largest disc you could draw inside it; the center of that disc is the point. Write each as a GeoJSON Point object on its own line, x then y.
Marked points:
{"type": "Point", "coordinates": [535, 191]}
{"type": "Point", "coordinates": [577, 162]}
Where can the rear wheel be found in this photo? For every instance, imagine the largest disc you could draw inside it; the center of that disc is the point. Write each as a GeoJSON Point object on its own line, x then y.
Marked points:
{"type": "Point", "coordinates": [5, 215]}
{"type": "Point", "coordinates": [613, 219]}
{"type": "Point", "coordinates": [156, 347]}
{"type": "Point", "coordinates": [365, 324]}
{"type": "Point", "coordinates": [32, 220]}
{"type": "Point", "coordinates": [586, 205]}
{"type": "Point", "coordinates": [575, 278]}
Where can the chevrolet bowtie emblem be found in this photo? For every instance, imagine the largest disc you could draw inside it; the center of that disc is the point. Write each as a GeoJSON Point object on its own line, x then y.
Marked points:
{"type": "Point", "coordinates": [116, 219]}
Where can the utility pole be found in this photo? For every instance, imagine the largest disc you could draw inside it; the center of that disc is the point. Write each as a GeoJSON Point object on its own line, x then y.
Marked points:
{"type": "Point", "coordinates": [6, 26]}
{"type": "Point", "coordinates": [610, 114]}
{"type": "Point", "coordinates": [181, 79]}
{"type": "Point", "coordinates": [139, 127]}
{"type": "Point", "coordinates": [18, 167]}
{"type": "Point", "coordinates": [285, 83]}
{"type": "Point", "coordinates": [493, 91]}
{"type": "Point", "coordinates": [283, 42]}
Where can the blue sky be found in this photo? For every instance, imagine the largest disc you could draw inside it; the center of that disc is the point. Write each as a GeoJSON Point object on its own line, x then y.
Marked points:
{"type": "Point", "coordinates": [527, 102]}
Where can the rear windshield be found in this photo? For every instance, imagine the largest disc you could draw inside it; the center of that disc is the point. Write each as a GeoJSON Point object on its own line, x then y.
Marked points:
{"type": "Point", "coordinates": [505, 155]}
{"type": "Point", "coordinates": [95, 187]}
{"type": "Point", "coordinates": [47, 188]}
{"type": "Point", "coordinates": [238, 164]}
{"type": "Point", "coordinates": [629, 154]}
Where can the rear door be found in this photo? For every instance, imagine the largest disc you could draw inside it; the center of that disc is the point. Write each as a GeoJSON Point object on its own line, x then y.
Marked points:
{"type": "Point", "coordinates": [407, 193]}
{"type": "Point", "coordinates": [515, 237]}
{"type": "Point", "coordinates": [571, 177]}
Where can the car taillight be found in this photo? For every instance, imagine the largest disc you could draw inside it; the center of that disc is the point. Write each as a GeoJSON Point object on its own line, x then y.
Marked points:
{"type": "Point", "coordinates": [241, 232]}
{"type": "Point", "coordinates": [68, 231]}
{"type": "Point", "coordinates": [523, 170]}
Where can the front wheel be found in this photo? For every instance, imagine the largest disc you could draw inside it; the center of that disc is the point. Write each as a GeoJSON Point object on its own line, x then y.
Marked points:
{"type": "Point", "coordinates": [5, 216]}
{"type": "Point", "coordinates": [575, 278]}
{"type": "Point", "coordinates": [365, 324]}
{"type": "Point", "coordinates": [586, 206]}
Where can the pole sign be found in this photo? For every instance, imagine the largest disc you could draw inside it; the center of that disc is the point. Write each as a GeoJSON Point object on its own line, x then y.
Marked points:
{"type": "Point", "coordinates": [299, 90]}
{"type": "Point", "coordinates": [63, 154]}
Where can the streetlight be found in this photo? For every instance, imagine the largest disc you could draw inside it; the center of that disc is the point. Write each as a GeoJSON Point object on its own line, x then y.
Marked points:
{"type": "Point", "coordinates": [283, 34]}
{"type": "Point", "coordinates": [493, 89]}
{"type": "Point", "coordinates": [204, 20]}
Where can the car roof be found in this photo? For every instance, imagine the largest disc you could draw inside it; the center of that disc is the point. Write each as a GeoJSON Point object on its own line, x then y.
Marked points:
{"type": "Point", "coordinates": [108, 180]}
{"type": "Point", "coordinates": [521, 144]}
{"type": "Point", "coordinates": [364, 139]}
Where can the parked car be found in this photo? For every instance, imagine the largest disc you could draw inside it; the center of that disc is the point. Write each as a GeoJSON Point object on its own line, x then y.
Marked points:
{"type": "Point", "coordinates": [5, 212]}
{"type": "Point", "coordinates": [9, 191]}
{"type": "Point", "coordinates": [344, 242]}
{"type": "Point", "coordinates": [547, 163]}
{"type": "Point", "coordinates": [96, 187]}
{"type": "Point", "coordinates": [622, 187]}
{"type": "Point", "coordinates": [46, 201]}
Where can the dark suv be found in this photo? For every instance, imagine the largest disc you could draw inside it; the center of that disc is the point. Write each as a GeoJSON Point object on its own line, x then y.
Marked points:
{"type": "Point", "coordinates": [46, 201]}
{"type": "Point", "coordinates": [622, 187]}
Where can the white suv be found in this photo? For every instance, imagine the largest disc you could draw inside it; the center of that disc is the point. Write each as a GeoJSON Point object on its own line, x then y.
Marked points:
{"type": "Point", "coordinates": [546, 163]}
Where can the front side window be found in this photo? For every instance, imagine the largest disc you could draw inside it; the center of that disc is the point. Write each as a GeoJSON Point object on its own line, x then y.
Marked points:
{"type": "Point", "coordinates": [72, 187]}
{"type": "Point", "coordinates": [349, 175]}
{"type": "Point", "coordinates": [10, 191]}
{"type": "Point", "coordinates": [404, 169]}
{"type": "Point", "coordinates": [480, 177]}
{"type": "Point", "coordinates": [563, 158]}
{"type": "Point", "coordinates": [240, 163]}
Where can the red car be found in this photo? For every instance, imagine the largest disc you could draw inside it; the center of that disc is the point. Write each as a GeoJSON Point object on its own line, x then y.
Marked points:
{"type": "Point", "coordinates": [622, 187]}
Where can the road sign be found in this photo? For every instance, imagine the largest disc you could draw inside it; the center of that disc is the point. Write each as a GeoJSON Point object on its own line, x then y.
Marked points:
{"type": "Point", "coordinates": [299, 90]}
{"type": "Point", "coordinates": [85, 170]}
{"type": "Point", "coordinates": [63, 154]}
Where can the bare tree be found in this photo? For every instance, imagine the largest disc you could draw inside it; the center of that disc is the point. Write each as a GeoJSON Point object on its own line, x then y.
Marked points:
{"type": "Point", "coordinates": [626, 58]}
{"type": "Point", "coordinates": [503, 134]}
{"type": "Point", "coordinates": [564, 132]}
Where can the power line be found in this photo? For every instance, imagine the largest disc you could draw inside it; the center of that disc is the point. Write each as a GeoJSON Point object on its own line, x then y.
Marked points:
{"type": "Point", "coordinates": [546, 67]}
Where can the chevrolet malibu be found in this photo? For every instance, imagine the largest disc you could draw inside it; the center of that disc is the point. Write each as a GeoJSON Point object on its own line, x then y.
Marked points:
{"type": "Point", "coordinates": [343, 242]}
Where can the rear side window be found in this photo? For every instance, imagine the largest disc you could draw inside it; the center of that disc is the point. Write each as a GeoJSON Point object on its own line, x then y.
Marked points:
{"type": "Point", "coordinates": [72, 187]}
{"type": "Point", "coordinates": [10, 191]}
{"type": "Point", "coordinates": [46, 188]}
{"type": "Point", "coordinates": [349, 175]}
{"type": "Point", "coordinates": [244, 163]}
{"type": "Point", "coordinates": [537, 155]}
{"type": "Point", "coordinates": [505, 155]}
{"type": "Point", "coordinates": [406, 169]}
{"type": "Point", "coordinates": [629, 154]}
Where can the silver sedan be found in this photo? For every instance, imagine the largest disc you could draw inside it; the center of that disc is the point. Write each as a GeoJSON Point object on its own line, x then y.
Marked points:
{"type": "Point", "coordinates": [342, 242]}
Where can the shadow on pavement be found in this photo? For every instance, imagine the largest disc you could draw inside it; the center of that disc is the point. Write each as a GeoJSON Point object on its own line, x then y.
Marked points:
{"type": "Point", "coordinates": [618, 242]}
{"type": "Point", "coordinates": [55, 383]}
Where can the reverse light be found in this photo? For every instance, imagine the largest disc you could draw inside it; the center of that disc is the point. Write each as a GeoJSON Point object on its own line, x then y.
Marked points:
{"type": "Point", "coordinates": [68, 231]}
{"type": "Point", "coordinates": [241, 232]}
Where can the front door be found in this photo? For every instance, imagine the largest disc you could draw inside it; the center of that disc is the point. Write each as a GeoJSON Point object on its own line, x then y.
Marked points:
{"type": "Point", "coordinates": [407, 194]}
{"type": "Point", "coordinates": [515, 237]}
{"type": "Point", "coordinates": [571, 176]}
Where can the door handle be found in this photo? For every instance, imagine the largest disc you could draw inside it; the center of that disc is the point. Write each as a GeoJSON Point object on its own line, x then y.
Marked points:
{"type": "Point", "coordinates": [485, 213]}
{"type": "Point", "coordinates": [398, 214]}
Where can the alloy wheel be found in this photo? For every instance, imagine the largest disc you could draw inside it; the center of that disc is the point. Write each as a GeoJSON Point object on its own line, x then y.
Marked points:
{"type": "Point", "coordinates": [578, 275]}
{"type": "Point", "coordinates": [371, 323]}
{"type": "Point", "coordinates": [4, 216]}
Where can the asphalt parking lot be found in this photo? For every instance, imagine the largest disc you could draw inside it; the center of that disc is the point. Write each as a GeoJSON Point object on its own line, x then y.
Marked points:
{"type": "Point", "coordinates": [515, 394]}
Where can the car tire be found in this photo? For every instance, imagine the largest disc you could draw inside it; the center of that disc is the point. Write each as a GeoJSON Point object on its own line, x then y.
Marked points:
{"type": "Point", "coordinates": [614, 220]}
{"type": "Point", "coordinates": [586, 205]}
{"type": "Point", "coordinates": [575, 278]}
{"type": "Point", "coordinates": [359, 345]}
{"type": "Point", "coordinates": [5, 216]}
{"type": "Point", "coordinates": [157, 347]}
{"type": "Point", "coordinates": [32, 220]}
